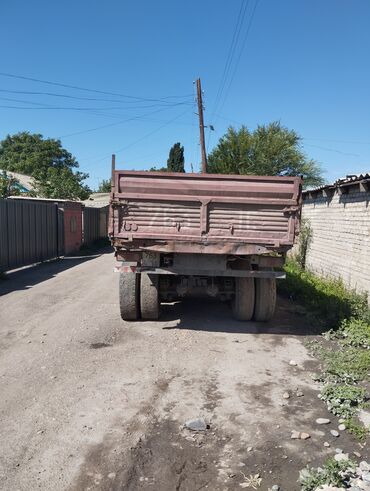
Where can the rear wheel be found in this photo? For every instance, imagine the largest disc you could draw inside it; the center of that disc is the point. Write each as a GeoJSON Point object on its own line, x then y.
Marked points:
{"type": "Point", "coordinates": [243, 302]}
{"type": "Point", "coordinates": [149, 296]}
{"type": "Point", "coordinates": [265, 299]}
{"type": "Point", "coordinates": [129, 296]}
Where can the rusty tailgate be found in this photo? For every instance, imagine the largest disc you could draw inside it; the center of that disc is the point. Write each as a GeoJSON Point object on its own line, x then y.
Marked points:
{"type": "Point", "coordinates": [205, 208]}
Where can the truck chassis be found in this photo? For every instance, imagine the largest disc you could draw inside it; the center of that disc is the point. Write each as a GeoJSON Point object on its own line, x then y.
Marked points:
{"type": "Point", "coordinates": [178, 235]}
{"type": "Point", "coordinates": [249, 283]}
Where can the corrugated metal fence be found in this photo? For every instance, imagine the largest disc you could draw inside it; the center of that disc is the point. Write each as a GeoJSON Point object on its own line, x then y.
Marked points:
{"type": "Point", "coordinates": [30, 232]}
{"type": "Point", "coordinates": [91, 225]}
{"type": "Point", "coordinates": [95, 224]}
{"type": "Point", "coordinates": [33, 231]}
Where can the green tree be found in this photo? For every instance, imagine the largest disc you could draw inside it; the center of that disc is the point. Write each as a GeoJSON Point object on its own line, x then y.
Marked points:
{"type": "Point", "coordinates": [269, 150]}
{"type": "Point", "coordinates": [62, 184]}
{"type": "Point", "coordinates": [8, 186]}
{"type": "Point", "coordinates": [44, 159]}
{"type": "Point", "coordinates": [158, 169]}
{"type": "Point", "coordinates": [104, 186]}
{"type": "Point", "coordinates": [176, 161]}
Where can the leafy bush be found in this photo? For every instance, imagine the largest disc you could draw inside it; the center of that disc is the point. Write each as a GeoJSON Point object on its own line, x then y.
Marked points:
{"type": "Point", "coordinates": [355, 332]}
{"type": "Point", "coordinates": [343, 400]}
{"type": "Point", "coordinates": [348, 365]}
{"type": "Point", "coordinates": [352, 332]}
{"type": "Point", "coordinates": [332, 473]}
{"type": "Point", "coordinates": [328, 299]}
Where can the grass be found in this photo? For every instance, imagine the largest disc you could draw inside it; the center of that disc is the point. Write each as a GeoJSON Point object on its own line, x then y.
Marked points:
{"type": "Point", "coordinates": [346, 316]}
{"type": "Point", "coordinates": [327, 300]}
{"type": "Point", "coordinates": [346, 364]}
{"type": "Point", "coordinates": [356, 429]}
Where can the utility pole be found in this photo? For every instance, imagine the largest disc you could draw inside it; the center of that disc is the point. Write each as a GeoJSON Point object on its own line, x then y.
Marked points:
{"type": "Point", "coordinates": [201, 127]}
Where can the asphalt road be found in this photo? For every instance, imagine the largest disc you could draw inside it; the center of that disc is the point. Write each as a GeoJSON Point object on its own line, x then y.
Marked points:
{"type": "Point", "coordinates": [89, 402]}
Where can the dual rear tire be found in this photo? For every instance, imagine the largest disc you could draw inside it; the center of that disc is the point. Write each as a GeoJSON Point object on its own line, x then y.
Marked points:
{"type": "Point", "coordinates": [139, 296]}
{"type": "Point", "coordinates": [255, 298]}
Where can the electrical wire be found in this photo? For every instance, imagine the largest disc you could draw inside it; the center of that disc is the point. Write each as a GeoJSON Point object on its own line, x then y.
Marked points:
{"type": "Point", "coordinates": [240, 53]}
{"type": "Point", "coordinates": [122, 149]}
{"type": "Point", "coordinates": [53, 94]}
{"type": "Point", "coordinates": [76, 87]}
{"type": "Point", "coordinates": [116, 123]}
{"type": "Point", "coordinates": [351, 142]}
{"type": "Point", "coordinates": [331, 150]}
{"type": "Point", "coordinates": [231, 52]}
{"type": "Point", "coordinates": [62, 108]}
{"type": "Point", "coordinates": [304, 139]}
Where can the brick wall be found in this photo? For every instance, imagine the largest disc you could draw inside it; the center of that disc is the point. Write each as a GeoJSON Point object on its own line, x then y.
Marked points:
{"type": "Point", "coordinates": [340, 244]}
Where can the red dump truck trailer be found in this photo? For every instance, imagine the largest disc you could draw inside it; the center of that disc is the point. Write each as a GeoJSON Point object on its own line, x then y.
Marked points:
{"type": "Point", "coordinates": [178, 234]}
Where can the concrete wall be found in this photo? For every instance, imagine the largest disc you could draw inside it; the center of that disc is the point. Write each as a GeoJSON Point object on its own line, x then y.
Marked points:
{"type": "Point", "coordinates": [340, 244]}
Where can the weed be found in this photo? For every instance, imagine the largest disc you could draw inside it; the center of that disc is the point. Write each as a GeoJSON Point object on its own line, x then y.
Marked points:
{"type": "Point", "coordinates": [327, 299]}
{"type": "Point", "coordinates": [355, 332]}
{"type": "Point", "coordinates": [314, 347]}
{"type": "Point", "coordinates": [343, 400]}
{"type": "Point", "coordinates": [346, 365]}
{"type": "Point", "coordinates": [332, 473]}
{"type": "Point", "coordinates": [330, 304]}
{"type": "Point", "coordinates": [304, 241]}
{"type": "Point", "coordinates": [356, 429]}
{"type": "Point", "coordinates": [253, 481]}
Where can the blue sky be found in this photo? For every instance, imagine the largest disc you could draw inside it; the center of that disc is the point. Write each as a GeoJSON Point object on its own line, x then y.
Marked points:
{"type": "Point", "coordinates": [303, 62]}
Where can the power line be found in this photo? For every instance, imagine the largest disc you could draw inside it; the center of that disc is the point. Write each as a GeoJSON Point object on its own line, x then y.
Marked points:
{"type": "Point", "coordinates": [221, 94]}
{"type": "Point", "coordinates": [309, 144]}
{"type": "Point", "coordinates": [89, 130]}
{"type": "Point", "coordinates": [76, 87]}
{"type": "Point", "coordinates": [231, 52]}
{"type": "Point", "coordinates": [122, 149]}
{"type": "Point", "coordinates": [331, 150]}
{"type": "Point", "coordinates": [64, 108]}
{"type": "Point", "coordinates": [48, 106]}
{"type": "Point", "coordinates": [351, 142]}
{"type": "Point", "coordinates": [240, 53]}
{"type": "Point", "coordinates": [67, 96]}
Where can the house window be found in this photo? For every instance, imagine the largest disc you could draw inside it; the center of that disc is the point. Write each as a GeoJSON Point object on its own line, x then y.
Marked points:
{"type": "Point", "coordinates": [73, 224]}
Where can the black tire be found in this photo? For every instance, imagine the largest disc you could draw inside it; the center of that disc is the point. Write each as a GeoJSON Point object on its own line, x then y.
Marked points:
{"type": "Point", "coordinates": [265, 301]}
{"type": "Point", "coordinates": [149, 296]}
{"type": "Point", "coordinates": [129, 288]}
{"type": "Point", "coordinates": [243, 301]}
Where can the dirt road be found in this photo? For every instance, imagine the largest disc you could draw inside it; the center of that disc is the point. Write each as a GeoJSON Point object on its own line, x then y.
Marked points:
{"type": "Point", "coordinates": [90, 402]}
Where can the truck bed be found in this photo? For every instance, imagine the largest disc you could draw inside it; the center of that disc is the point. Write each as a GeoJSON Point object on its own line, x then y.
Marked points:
{"type": "Point", "coordinates": [212, 213]}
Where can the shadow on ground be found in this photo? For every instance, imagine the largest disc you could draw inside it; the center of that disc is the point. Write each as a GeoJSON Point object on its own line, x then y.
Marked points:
{"type": "Point", "coordinates": [205, 314]}
{"type": "Point", "coordinates": [25, 278]}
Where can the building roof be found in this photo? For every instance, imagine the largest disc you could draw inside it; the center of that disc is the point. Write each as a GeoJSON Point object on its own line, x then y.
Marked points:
{"type": "Point", "coordinates": [26, 182]}
{"type": "Point", "coordinates": [352, 178]}
{"type": "Point", "coordinates": [32, 198]}
{"type": "Point", "coordinates": [363, 180]}
{"type": "Point", "coordinates": [62, 203]}
{"type": "Point", "coordinates": [97, 200]}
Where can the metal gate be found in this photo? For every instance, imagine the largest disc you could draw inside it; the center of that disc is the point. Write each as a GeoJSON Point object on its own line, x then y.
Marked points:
{"type": "Point", "coordinates": [91, 225]}
{"type": "Point", "coordinates": [30, 232]}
